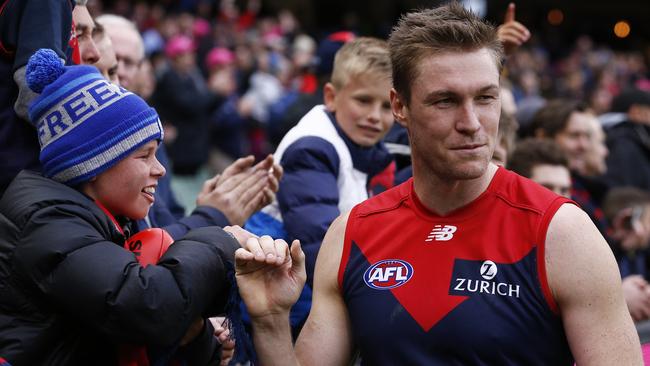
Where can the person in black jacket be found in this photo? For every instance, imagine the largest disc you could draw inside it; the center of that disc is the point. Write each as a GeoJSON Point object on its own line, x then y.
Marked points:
{"type": "Point", "coordinates": [628, 162]}
{"type": "Point", "coordinates": [25, 26]}
{"type": "Point", "coordinates": [70, 293]}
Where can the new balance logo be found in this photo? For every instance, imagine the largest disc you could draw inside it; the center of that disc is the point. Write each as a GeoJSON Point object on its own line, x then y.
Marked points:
{"type": "Point", "coordinates": [441, 233]}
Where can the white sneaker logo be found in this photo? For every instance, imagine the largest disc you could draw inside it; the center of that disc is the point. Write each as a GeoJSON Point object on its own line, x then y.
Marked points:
{"type": "Point", "coordinates": [441, 233]}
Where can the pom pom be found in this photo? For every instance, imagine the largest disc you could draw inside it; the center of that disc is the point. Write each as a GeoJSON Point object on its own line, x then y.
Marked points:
{"type": "Point", "coordinates": [43, 68]}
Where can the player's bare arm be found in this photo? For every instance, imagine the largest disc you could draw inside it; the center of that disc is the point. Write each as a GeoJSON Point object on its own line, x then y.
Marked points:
{"type": "Point", "coordinates": [586, 285]}
{"type": "Point", "coordinates": [326, 337]}
{"type": "Point", "coordinates": [270, 276]}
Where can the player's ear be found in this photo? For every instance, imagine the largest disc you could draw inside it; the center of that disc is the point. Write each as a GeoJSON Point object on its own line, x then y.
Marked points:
{"type": "Point", "coordinates": [398, 107]}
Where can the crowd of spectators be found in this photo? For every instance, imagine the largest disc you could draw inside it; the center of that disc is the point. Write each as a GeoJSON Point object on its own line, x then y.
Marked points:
{"type": "Point", "coordinates": [229, 80]}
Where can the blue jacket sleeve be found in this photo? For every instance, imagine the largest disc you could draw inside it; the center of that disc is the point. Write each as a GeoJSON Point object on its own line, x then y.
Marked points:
{"type": "Point", "coordinates": [308, 196]}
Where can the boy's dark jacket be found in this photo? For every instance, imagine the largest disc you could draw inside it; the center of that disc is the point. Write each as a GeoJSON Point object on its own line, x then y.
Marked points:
{"type": "Point", "coordinates": [69, 292]}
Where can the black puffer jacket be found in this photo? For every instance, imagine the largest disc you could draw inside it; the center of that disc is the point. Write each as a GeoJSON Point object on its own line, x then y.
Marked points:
{"type": "Point", "coordinates": [628, 162]}
{"type": "Point", "coordinates": [69, 292]}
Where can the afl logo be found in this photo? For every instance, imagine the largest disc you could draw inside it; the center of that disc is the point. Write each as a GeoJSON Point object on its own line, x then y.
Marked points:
{"type": "Point", "coordinates": [488, 270]}
{"type": "Point", "coordinates": [387, 274]}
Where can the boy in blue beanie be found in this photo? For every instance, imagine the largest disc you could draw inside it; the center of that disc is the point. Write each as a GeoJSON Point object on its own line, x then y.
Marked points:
{"type": "Point", "coordinates": [69, 292]}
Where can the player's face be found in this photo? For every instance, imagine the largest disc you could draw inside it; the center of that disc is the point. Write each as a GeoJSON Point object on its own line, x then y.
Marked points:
{"type": "Point", "coordinates": [453, 114]}
{"type": "Point", "coordinates": [128, 187]}
{"type": "Point", "coordinates": [362, 107]}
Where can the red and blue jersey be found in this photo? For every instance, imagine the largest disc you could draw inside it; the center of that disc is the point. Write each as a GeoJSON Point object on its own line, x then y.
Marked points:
{"type": "Point", "coordinates": [468, 287]}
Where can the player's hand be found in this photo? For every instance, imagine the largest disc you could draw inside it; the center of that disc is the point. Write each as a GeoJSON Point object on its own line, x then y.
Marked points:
{"type": "Point", "coordinates": [270, 275]}
{"type": "Point", "coordinates": [511, 33]}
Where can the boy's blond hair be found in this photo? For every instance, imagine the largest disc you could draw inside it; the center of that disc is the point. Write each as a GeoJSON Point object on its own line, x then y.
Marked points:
{"type": "Point", "coordinates": [361, 56]}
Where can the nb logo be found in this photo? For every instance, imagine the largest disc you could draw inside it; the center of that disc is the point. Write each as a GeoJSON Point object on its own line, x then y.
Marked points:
{"type": "Point", "coordinates": [441, 233]}
{"type": "Point", "coordinates": [488, 270]}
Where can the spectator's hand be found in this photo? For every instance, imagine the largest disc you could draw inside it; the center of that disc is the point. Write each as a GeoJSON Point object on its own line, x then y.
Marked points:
{"type": "Point", "coordinates": [238, 192]}
{"type": "Point", "coordinates": [268, 164]}
{"type": "Point", "coordinates": [511, 33]}
{"type": "Point", "coordinates": [240, 165]}
{"type": "Point", "coordinates": [274, 178]}
{"type": "Point", "coordinates": [637, 296]}
{"type": "Point", "coordinates": [270, 276]}
{"type": "Point", "coordinates": [223, 335]}
{"type": "Point", "coordinates": [170, 133]}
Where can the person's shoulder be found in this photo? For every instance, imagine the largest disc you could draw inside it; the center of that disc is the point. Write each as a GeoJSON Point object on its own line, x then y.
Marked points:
{"type": "Point", "coordinates": [620, 136]}
{"type": "Point", "coordinates": [522, 192]}
{"type": "Point", "coordinates": [30, 192]}
{"type": "Point", "coordinates": [572, 234]}
{"type": "Point", "coordinates": [310, 151]}
{"type": "Point", "coordinates": [384, 202]}
{"type": "Point", "coordinates": [315, 122]}
{"type": "Point", "coordinates": [569, 215]}
{"type": "Point", "coordinates": [309, 143]}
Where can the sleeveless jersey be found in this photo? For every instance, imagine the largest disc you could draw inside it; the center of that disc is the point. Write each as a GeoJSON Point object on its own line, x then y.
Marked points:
{"type": "Point", "coordinates": [467, 288]}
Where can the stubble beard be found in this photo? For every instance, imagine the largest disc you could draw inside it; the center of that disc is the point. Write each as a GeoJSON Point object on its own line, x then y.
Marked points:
{"type": "Point", "coordinates": [451, 171]}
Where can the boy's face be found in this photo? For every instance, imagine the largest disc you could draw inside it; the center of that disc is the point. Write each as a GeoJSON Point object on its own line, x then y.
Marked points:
{"type": "Point", "coordinates": [362, 107]}
{"type": "Point", "coordinates": [128, 187]}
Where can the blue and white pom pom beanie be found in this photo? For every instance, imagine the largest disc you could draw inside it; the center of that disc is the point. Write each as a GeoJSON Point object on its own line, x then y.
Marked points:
{"type": "Point", "coordinates": [85, 124]}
